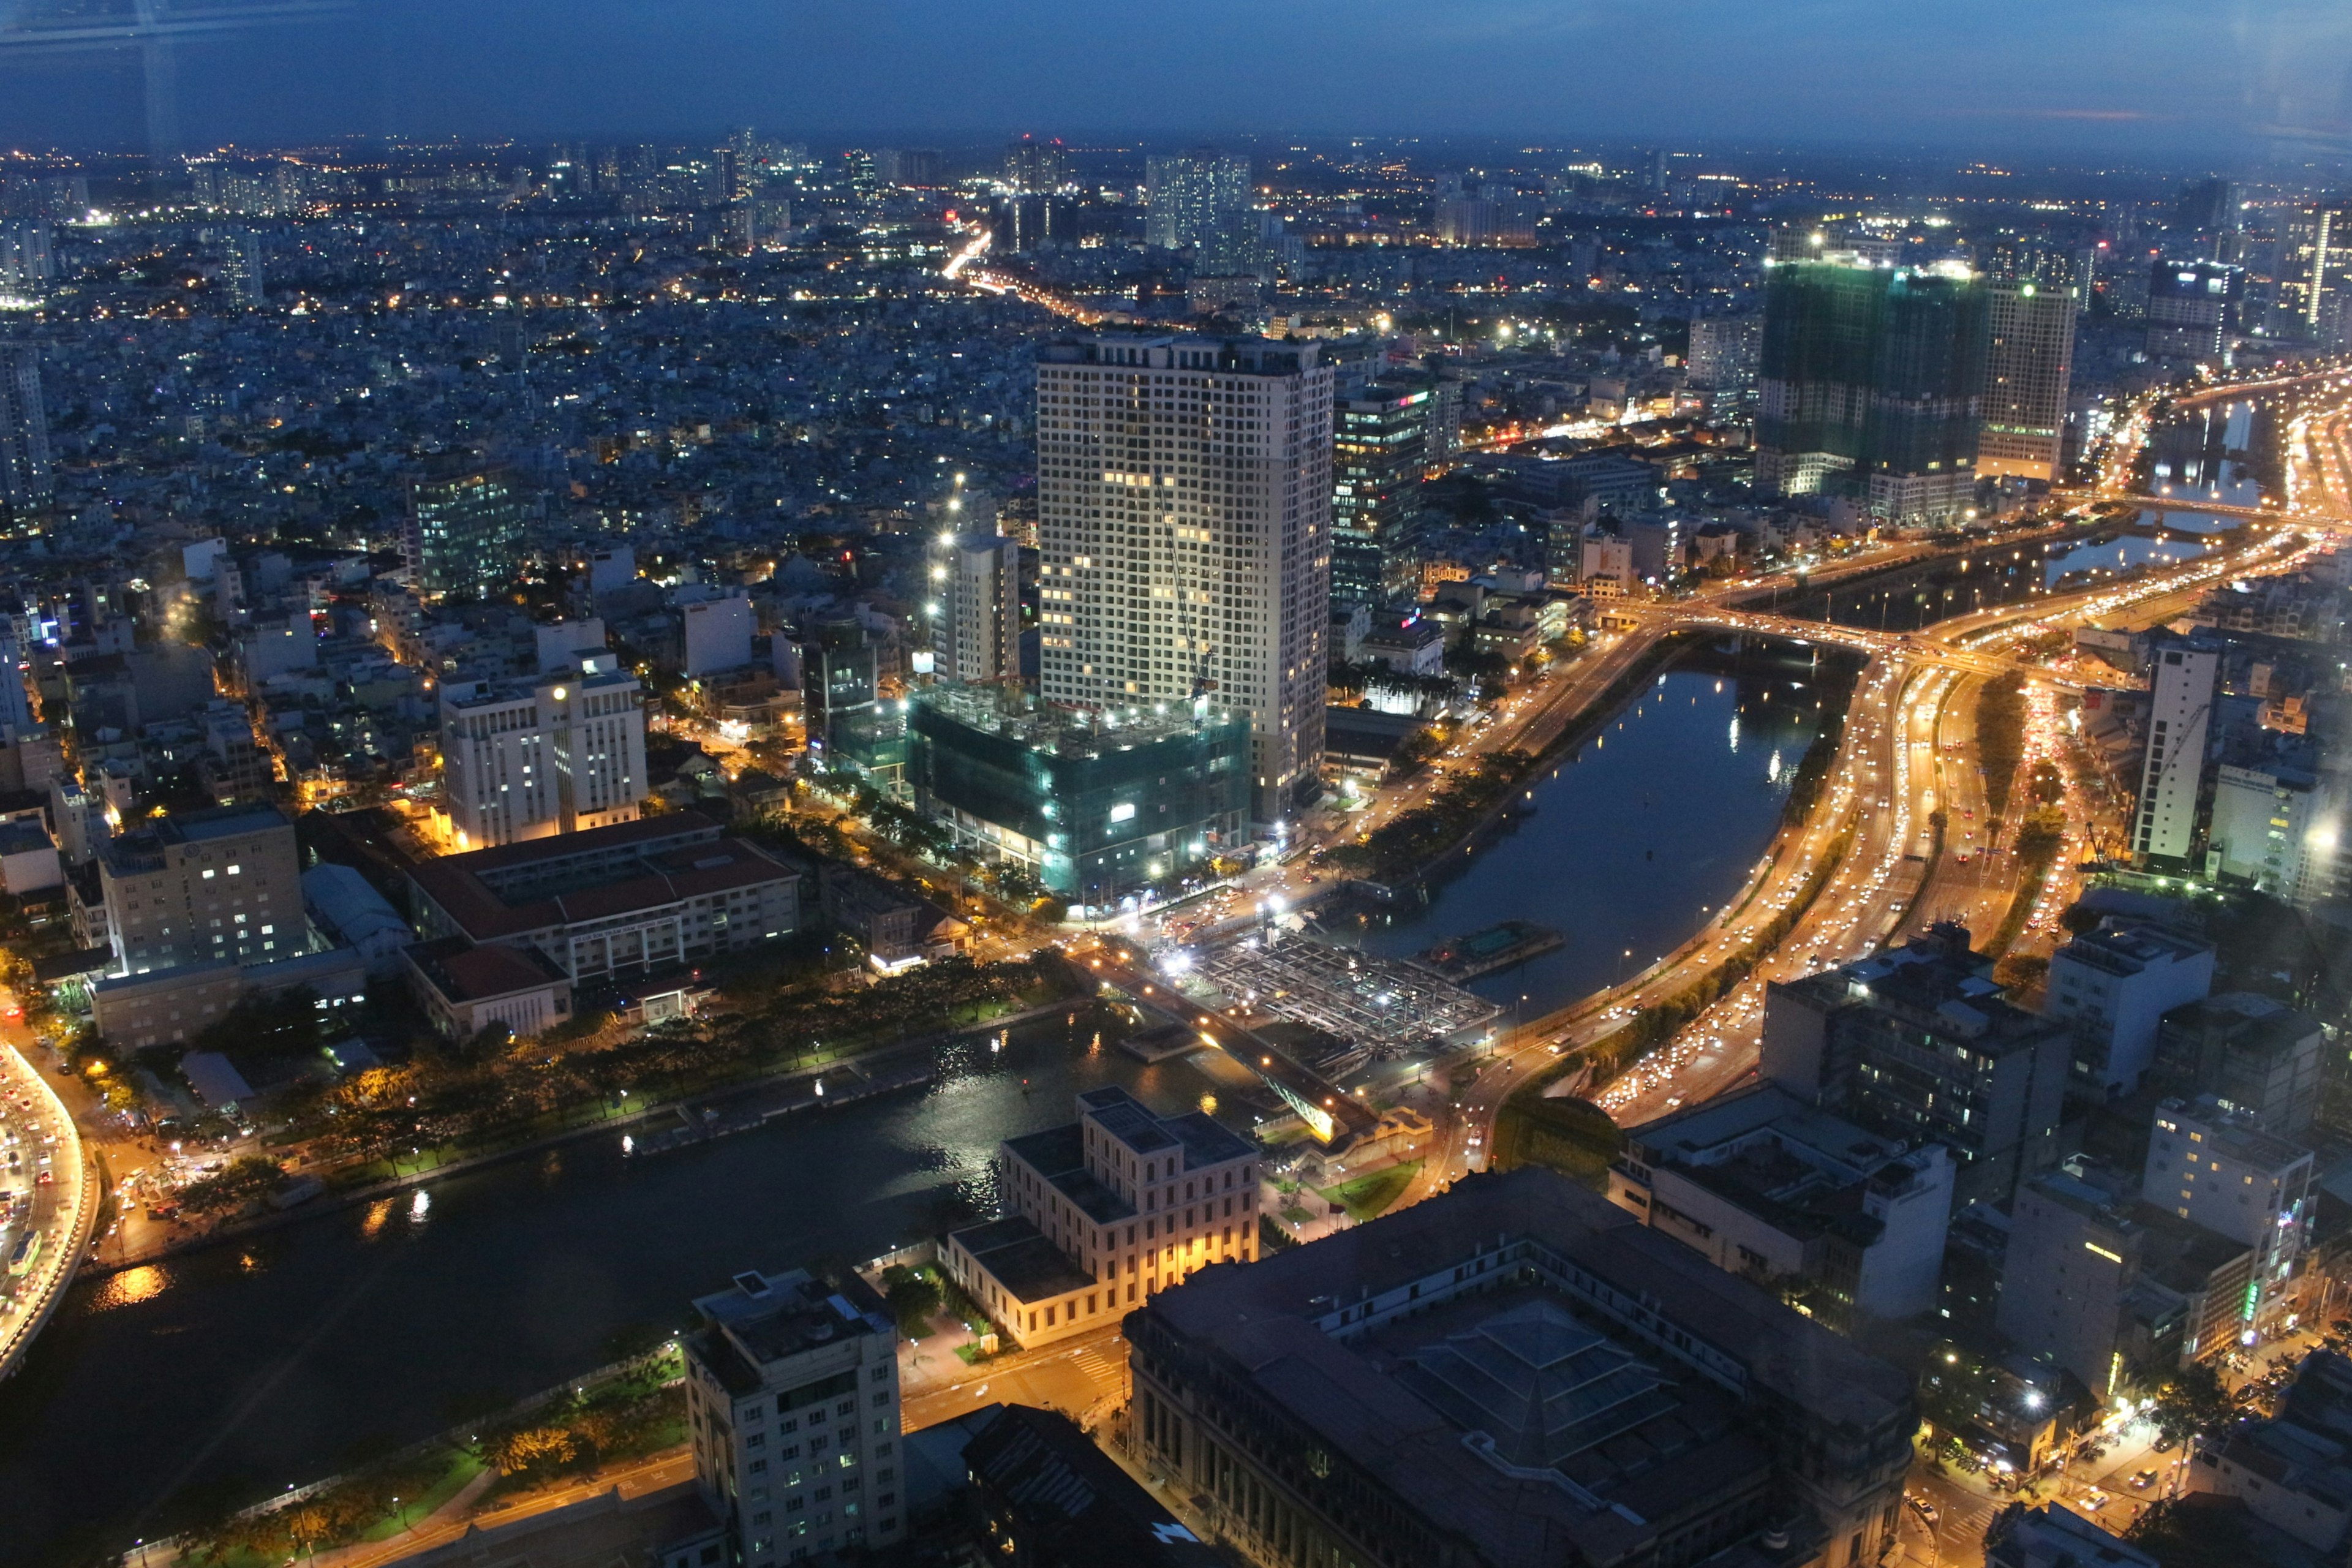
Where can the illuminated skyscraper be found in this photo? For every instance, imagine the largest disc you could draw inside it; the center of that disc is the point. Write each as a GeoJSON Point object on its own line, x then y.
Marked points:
{"type": "Point", "coordinates": [2030, 305]}
{"type": "Point", "coordinates": [1871, 375]}
{"type": "Point", "coordinates": [1381, 442]}
{"type": "Point", "coordinates": [26, 481]}
{"type": "Point", "coordinates": [1035, 166]}
{"type": "Point", "coordinates": [2312, 274]}
{"type": "Point", "coordinates": [1199, 199]}
{"type": "Point", "coordinates": [1183, 515]}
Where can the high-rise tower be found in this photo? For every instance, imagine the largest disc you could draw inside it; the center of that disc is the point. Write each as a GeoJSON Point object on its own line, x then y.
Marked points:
{"type": "Point", "coordinates": [2031, 307]}
{"type": "Point", "coordinates": [1184, 520]}
{"type": "Point", "coordinates": [25, 477]}
{"type": "Point", "coordinates": [1383, 442]}
{"type": "Point", "coordinates": [1199, 199]}
{"type": "Point", "coordinates": [1870, 376]}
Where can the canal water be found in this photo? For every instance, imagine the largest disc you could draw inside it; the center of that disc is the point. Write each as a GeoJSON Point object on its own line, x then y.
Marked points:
{"type": "Point", "coordinates": [1638, 837]}
{"type": "Point", "coordinates": [2201, 455]}
{"type": "Point", "coordinates": [240, 1371]}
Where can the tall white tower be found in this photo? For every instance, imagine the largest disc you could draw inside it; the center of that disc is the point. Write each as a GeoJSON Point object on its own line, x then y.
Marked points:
{"type": "Point", "coordinates": [2180, 716]}
{"type": "Point", "coordinates": [1184, 524]}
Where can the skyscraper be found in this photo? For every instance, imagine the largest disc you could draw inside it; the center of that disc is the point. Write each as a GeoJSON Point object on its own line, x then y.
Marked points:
{"type": "Point", "coordinates": [462, 529]}
{"type": "Point", "coordinates": [28, 265]}
{"type": "Point", "coordinates": [241, 268]}
{"type": "Point", "coordinates": [2311, 273]}
{"type": "Point", "coordinates": [2180, 715]}
{"type": "Point", "coordinates": [26, 481]}
{"type": "Point", "coordinates": [1183, 514]}
{"type": "Point", "coordinates": [1200, 199]}
{"type": "Point", "coordinates": [1381, 443]}
{"type": "Point", "coordinates": [1871, 375]}
{"type": "Point", "coordinates": [1035, 166]}
{"type": "Point", "coordinates": [2192, 307]}
{"type": "Point", "coordinates": [2029, 367]}
{"type": "Point", "coordinates": [976, 585]}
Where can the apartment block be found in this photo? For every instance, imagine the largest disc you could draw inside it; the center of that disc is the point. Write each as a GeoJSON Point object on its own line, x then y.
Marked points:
{"type": "Point", "coordinates": [792, 1400]}
{"type": "Point", "coordinates": [555, 754]}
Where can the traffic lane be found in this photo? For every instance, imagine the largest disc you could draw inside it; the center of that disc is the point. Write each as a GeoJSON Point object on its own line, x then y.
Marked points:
{"type": "Point", "coordinates": [1083, 1378]}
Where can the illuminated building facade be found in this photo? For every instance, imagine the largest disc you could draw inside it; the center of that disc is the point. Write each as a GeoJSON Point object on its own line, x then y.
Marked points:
{"type": "Point", "coordinates": [1183, 518]}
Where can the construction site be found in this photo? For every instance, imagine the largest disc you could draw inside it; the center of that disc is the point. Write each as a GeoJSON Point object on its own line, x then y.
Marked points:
{"type": "Point", "coordinates": [1377, 1009]}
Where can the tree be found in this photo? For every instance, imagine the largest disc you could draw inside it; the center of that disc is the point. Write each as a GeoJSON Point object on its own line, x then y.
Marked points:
{"type": "Point", "coordinates": [241, 1182]}
{"type": "Point", "coordinates": [2191, 1403]}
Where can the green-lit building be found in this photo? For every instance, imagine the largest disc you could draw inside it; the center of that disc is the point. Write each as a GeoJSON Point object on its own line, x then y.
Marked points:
{"type": "Point", "coordinates": [1871, 379]}
{"type": "Point", "coordinates": [464, 532]}
{"type": "Point", "coordinates": [1096, 805]}
{"type": "Point", "coordinates": [1380, 441]}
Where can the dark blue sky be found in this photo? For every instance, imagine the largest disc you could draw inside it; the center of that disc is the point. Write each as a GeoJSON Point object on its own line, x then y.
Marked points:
{"type": "Point", "coordinates": [2094, 76]}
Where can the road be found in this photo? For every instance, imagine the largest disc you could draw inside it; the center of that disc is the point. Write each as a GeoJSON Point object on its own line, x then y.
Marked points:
{"type": "Point", "coordinates": [51, 1198]}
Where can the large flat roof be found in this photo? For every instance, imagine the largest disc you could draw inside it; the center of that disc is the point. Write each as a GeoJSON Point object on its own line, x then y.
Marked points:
{"type": "Point", "coordinates": [697, 865]}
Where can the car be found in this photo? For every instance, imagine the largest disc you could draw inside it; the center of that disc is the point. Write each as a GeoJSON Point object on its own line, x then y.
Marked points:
{"type": "Point", "coordinates": [1921, 1506]}
{"type": "Point", "coordinates": [2143, 1479]}
{"type": "Point", "coordinates": [2094, 1502]}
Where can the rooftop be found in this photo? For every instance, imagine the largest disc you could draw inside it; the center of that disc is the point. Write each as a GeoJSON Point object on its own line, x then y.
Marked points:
{"type": "Point", "coordinates": [2128, 950]}
{"type": "Point", "coordinates": [1022, 1259]}
{"type": "Point", "coordinates": [637, 867]}
{"type": "Point", "coordinates": [766, 1318]}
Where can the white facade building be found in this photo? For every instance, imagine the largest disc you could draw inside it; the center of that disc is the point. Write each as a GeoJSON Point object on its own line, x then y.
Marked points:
{"type": "Point", "coordinates": [1184, 519]}
{"type": "Point", "coordinates": [2180, 716]}
{"type": "Point", "coordinates": [976, 579]}
{"type": "Point", "coordinates": [1108, 1212]}
{"type": "Point", "coordinates": [718, 635]}
{"type": "Point", "coordinates": [2277, 828]}
{"type": "Point", "coordinates": [553, 755]}
{"type": "Point", "coordinates": [2117, 986]}
{"type": "Point", "coordinates": [792, 1406]}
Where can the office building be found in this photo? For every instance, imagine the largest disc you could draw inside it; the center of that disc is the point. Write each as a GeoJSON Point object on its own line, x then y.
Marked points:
{"type": "Point", "coordinates": [1035, 166]}
{"type": "Point", "coordinates": [2180, 719]}
{"type": "Point", "coordinates": [632, 897]}
{"type": "Point", "coordinates": [1380, 445]}
{"type": "Point", "coordinates": [2314, 258]}
{"type": "Point", "coordinates": [2054, 1536]}
{"type": "Point", "coordinates": [1200, 201]}
{"type": "Point", "coordinates": [2219, 1170]}
{"type": "Point", "coordinates": [851, 725]}
{"type": "Point", "coordinates": [2114, 984]}
{"type": "Point", "coordinates": [1918, 1043]}
{"type": "Point", "coordinates": [26, 479]}
{"type": "Point", "coordinates": [1106, 1211]}
{"type": "Point", "coordinates": [1515, 1371]}
{"type": "Point", "coordinates": [2028, 373]}
{"type": "Point", "coordinates": [171, 1007]}
{"type": "Point", "coordinates": [976, 590]}
{"type": "Point", "coordinates": [2192, 306]}
{"type": "Point", "coordinates": [2253, 1053]}
{"type": "Point", "coordinates": [1093, 806]}
{"type": "Point", "coordinates": [199, 886]}
{"type": "Point", "coordinates": [792, 1409]}
{"type": "Point", "coordinates": [717, 635]}
{"type": "Point", "coordinates": [463, 528]}
{"type": "Point", "coordinates": [1723, 352]}
{"type": "Point", "coordinates": [1765, 1185]}
{"type": "Point", "coordinates": [1183, 516]}
{"type": "Point", "coordinates": [2294, 1472]}
{"type": "Point", "coordinates": [1871, 377]}
{"type": "Point", "coordinates": [553, 754]}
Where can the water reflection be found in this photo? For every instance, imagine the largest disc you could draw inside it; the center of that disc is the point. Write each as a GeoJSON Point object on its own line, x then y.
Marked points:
{"type": "Point", "coordinates": [131, 1287]}
{"type": "Point", "coordinates": [1660, 817]}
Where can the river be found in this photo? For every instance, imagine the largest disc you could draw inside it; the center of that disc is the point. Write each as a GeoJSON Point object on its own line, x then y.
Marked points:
{"type": "Point", "coordinates": [241, 1370]}
{"type": "Point", "coordinates": [1637, 837]}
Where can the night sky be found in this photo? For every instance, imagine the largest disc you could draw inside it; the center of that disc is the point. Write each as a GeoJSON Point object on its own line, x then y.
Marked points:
{"type": "Point", "coordinates": [2090, 77]}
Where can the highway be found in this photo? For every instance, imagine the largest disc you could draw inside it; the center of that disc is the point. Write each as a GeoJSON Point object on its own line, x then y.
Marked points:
{"type": "Point", "coordinates": [51, 1200]}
